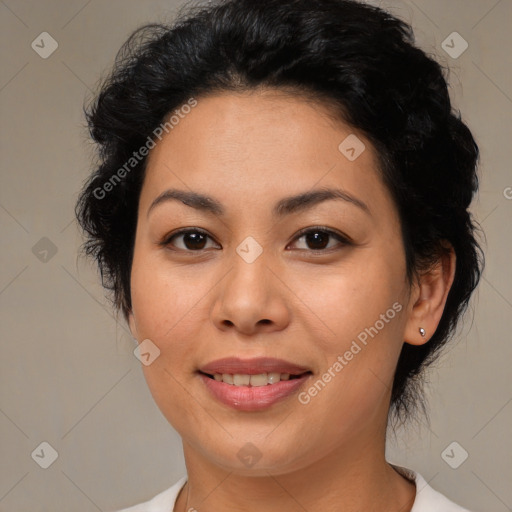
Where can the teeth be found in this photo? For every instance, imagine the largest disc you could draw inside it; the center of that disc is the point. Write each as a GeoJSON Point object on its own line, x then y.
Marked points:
{"type": "Point", "coordinates": [261, 379]}
{"type": "Point", "coordinates": [227, 378]}
{"type": "Point", "coordinates": [273, 377]}
{"type": "Point", "coordinates": [241, 380]}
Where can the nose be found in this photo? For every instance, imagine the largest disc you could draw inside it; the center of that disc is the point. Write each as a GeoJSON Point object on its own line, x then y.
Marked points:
{"type": "Point", "coordinates": [251, 299]}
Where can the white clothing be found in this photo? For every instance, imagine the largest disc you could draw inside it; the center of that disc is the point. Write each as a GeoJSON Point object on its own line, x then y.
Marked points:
{"type": "Point", "coordinates": [427, 499]}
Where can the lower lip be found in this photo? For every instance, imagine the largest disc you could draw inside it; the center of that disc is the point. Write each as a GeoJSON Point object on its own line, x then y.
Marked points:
{"type": "Point", "coordinates": [253, 398]}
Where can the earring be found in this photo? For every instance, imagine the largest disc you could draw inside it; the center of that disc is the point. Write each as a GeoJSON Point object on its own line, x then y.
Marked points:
{"type": "Point", "coordinates": [422, 332]}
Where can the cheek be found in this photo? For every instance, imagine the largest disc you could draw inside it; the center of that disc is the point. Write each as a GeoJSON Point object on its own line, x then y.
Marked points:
{"type": "Point", "coordinates": [353, 386]}
{"type": "Point", "coordinates": [360, 315]}
{"type": "Point", "coordinates": [165, 300]}
{"type": "Point", "coordinates": [346, 300]}
{"type": "Point", "coordinates": [167, 311]}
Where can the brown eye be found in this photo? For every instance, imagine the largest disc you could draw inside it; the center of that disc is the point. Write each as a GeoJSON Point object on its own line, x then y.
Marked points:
{"type": "Point", "coordinates": [318, 239]}
{"type": "Point", "coordinates": [188, 240]}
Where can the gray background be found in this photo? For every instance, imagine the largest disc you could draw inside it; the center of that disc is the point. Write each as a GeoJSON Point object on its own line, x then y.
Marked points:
{"type": "Point", "coordinates": [68, 375]}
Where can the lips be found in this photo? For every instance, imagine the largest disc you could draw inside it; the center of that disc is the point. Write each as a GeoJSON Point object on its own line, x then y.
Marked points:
{"type": "Point", "coordinates": [255, 366]}
{"type": "Point", "coordinates": [252, 384]}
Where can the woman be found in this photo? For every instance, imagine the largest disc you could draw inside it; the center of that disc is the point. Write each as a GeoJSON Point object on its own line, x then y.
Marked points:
{"type": "Point", "coordinates": [281, 212]}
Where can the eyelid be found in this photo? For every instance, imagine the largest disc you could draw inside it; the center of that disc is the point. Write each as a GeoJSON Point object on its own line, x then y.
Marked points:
{"type": "Point", "coordinates": [343, 239]}
{"type": "Point", "coordinates": [166, 240]}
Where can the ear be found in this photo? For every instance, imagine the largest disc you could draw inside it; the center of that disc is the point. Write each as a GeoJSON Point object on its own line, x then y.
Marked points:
{"type": "Point", "coordinates": [428, 298]}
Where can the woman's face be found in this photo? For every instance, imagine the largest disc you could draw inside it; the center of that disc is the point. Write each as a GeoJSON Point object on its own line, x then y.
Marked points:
{"type": "Point", "coordinates": [329, 306]}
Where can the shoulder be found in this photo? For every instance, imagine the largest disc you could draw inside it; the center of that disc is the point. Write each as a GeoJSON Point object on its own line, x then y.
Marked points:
{"type": "Point", "coordinates": [427, 499]}
{"type": "Point", "coordinates": [162, 502]}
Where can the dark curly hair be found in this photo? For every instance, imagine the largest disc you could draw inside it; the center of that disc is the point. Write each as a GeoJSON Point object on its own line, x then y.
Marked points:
{"type": "Point", "coordinates": [358, 59]}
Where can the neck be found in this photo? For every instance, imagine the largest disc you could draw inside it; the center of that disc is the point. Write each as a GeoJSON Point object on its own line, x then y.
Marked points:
{"type": "Point", "coordinates": [351, 478]}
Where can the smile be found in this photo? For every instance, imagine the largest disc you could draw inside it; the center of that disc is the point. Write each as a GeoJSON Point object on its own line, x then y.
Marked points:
{"type": "Point", "coordinates": [262, 379]}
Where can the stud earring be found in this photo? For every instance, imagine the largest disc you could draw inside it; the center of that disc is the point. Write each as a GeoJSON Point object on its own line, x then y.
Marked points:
{"type": "Point", "coordinates": [422, 332]}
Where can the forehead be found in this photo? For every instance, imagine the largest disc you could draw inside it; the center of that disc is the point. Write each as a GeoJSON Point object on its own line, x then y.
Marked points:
{"type": "Point", "coordinates": [261, 146]}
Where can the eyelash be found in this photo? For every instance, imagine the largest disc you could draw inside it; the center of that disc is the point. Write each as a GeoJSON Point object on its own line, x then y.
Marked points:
{"type": "Point", "coordinates": [343, 239]}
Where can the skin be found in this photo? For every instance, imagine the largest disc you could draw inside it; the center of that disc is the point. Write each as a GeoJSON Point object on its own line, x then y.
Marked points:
{"type": "Point", "coordinates": [248, 151]}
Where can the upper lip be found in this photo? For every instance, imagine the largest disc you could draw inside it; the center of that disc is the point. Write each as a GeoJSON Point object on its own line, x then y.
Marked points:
{"type": "Point", "coordinates": [255, 366]}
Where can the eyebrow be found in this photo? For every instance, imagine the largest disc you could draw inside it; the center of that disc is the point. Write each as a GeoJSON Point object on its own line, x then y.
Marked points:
{"type": "Point", "coordinates": [283, 207]}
